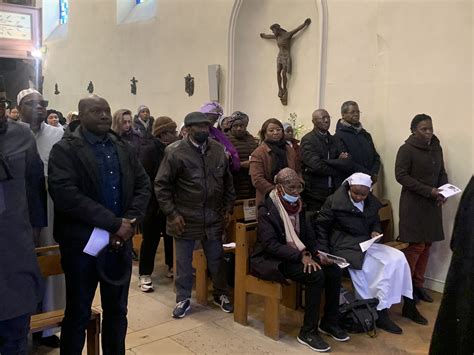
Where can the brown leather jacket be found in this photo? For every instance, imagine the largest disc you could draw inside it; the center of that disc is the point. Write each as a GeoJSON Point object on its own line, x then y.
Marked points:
{"type": "Point", "coordinates": [196, 185]}
{"type": "Point", "coordinates": [261, 169]}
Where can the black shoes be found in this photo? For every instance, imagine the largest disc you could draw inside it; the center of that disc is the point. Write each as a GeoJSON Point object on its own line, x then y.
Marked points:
{"type": "Point", "coordinates": [313, 341]}
{"type": "Point", "coordinates": [384, 322]}
{"type": "Point", "coordinates": [410, 311]}
{"type": "Point", "coordinates": [51, 341]}
{"type": "Point", "coordinates": [421, 294]}
{"type": "Point", "coordinates": [334, 331]}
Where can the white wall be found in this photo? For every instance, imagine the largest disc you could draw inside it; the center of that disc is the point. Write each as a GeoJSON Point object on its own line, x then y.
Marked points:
{"type": "Point", "coordinates": [185, 37]}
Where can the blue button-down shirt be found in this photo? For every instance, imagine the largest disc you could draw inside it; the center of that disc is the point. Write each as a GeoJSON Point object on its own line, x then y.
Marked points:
{"type": "Point", "coordinates": [108, 166]}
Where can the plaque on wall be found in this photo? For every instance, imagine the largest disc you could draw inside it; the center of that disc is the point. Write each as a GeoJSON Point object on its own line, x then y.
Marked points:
{"type": "Point", "coordinates": [20, 31]}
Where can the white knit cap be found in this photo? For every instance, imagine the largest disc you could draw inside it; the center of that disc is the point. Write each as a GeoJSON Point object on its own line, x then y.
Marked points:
{"type": "Point", "coordinates": [24, 93]}
{"type": "Point", "coordinates": [359, 179]}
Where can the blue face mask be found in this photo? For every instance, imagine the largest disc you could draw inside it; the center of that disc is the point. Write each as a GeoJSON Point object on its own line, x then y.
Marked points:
{"type": "Point", "coordinates": [289, 198]}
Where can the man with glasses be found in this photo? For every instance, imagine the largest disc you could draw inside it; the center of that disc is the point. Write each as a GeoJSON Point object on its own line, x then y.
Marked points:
{"type": "Point", "coordinates": [21, 187]}
{"type": "Point", "coordinates": [32, 109]}
{"type": "Point", "coordinates": [357, 141]}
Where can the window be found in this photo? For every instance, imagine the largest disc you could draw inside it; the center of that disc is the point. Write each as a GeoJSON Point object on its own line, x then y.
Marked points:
{"type": "Point", "coordinates": [139, 1]}
{"type": "Point", "coordinates": [64, 11]}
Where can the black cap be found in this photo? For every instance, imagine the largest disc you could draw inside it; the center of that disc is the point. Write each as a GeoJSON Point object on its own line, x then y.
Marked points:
{"type": "Point", "coordinates": [195, 118]}
{"type": "Point", "coordinates": [115, 266]}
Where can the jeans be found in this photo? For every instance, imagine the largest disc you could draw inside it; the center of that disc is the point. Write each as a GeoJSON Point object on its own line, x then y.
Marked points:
{"type": "Point", "coordinates": [417, 255]}
{"type": "Point", "coordinates": [82, 279]}
{"type": "Point", "coordinates": [14, 335]}
{"type": "Point", "coordinates": [154, 227]}
{"type": "Point", "coordinates": [329, 278]}
{"type": "Point", "coordinates": [184, 271]}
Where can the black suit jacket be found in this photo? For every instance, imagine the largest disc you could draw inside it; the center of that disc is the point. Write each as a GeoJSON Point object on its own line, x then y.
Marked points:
{"type": "Point", "coordinates": [73, 182]}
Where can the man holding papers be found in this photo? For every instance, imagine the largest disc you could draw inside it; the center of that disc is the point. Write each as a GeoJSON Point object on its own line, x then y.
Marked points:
{"type": "Point", "coordinates": [419, 168]}
{"type": "Point", "coordinates": [347, 220]}
{"type": "Point", "coordinates": [98, 188]}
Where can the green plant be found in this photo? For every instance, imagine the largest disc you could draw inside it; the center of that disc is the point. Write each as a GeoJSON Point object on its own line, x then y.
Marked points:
{"type": "Point", "coordinates": [298, 129]}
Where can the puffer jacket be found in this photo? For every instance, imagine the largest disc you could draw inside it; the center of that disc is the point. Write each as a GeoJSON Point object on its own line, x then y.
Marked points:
{"type": "Point", "coordinates": [196, 185]}
{"type": "Point", "coordinates": [340, 226]}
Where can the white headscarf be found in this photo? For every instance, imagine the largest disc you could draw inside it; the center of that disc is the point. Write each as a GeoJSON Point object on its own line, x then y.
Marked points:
{"type": "Point", "coordinates": [359, 179]}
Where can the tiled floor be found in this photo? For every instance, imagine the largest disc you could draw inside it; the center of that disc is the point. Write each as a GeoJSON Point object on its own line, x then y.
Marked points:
{"type": "Point", "coordinates": [207, 330]}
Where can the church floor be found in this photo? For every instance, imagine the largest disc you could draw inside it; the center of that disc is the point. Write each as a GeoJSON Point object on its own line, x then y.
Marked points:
{"type": "Point", "coordinates": [208, 330]}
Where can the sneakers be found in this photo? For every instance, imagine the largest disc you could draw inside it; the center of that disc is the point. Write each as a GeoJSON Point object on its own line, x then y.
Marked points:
{"type": "Point", "coordinates": [410, 311]}
{"type": "Point", "coordinates": [170, 273]}
{"type": "Point", "coordinates": [334, 331]}
{"type": "Point", "coordinates": [313, 341]}
{"type": "Point", "coordinates": [384, 322]}
{"type": "Point", "coordinates": [181, 308]}
{"type": "Point", "coordinates": [223, 302]}
{"type": "Point", "coordinates": [145, 284]}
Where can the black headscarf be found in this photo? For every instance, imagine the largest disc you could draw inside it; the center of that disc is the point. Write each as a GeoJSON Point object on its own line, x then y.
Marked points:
{"type": "Point", "coordinates": [279, 160]}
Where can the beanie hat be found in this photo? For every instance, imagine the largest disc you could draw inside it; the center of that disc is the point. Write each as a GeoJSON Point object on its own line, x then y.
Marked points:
{"type": "Point", "coordinates": [163, 124]}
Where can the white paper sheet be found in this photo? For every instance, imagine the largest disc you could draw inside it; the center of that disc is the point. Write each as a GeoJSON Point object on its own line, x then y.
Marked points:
{"type": "Point", "coordinates": [341, 262]}
{"type": "Point", "coordinates": [250, 210]}
{"type": "Point", "coordinates": [368, 243]}
{"type": "Point", "coordinates": [448, 190]}
{"type": "Point", "coordinates": [97, 241]}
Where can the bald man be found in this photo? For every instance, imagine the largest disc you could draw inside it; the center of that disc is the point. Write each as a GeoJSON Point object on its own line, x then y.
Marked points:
{"type": "Point", "coordinates": [98, 186]}
{"type": "Point", "coordinates": [324, 162]}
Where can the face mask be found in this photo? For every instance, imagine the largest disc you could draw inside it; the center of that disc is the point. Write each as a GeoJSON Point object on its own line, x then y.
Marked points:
{"type": "Point", "coordinates": [289, 198]}
{"type": "Point", "coordinates": [201, 137]}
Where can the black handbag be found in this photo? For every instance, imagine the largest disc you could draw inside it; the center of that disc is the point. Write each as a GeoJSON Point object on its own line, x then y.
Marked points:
{"type": "Point", "coordinates": [359, 316]}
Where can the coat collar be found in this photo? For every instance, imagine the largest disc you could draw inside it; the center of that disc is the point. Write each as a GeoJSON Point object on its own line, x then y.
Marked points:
{"type": "Point", "coordinates": [342, 202]}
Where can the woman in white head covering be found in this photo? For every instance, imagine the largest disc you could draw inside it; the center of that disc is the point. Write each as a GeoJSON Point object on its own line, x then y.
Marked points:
{"type": "Point", "coordinates": [349, 217]}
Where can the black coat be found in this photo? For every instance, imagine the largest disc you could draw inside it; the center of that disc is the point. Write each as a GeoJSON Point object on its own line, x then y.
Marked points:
{"type": "Point", "coordinates": [75, 189]}
{"type": "Point", "coordinates": [20, 278]}
{"type": "Point", "coordinates": [271, 248]}
{"type": "Point", "coordinates": [341, 226]}
{"type": "Point", "coordinates": [145, 132]}
{"type": "Point", "coordinates": [198, 186]}
{"type": "Point", "coordinates": [454, 329]}
{"type": "Point", "coordinates": [361, 148]}
{"type": "Point", "coordinates": [419, 168]}
{"type": "Point", "coordinates": [320, 160]}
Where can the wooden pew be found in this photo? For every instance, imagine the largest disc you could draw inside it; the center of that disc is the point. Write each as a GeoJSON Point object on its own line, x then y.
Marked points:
{"type": "Point", "coordinates": [49, 261]}
{"type": "Point", "coordinates": [199, 259]}
{"type": "Point", "coordinates": [245, 284]}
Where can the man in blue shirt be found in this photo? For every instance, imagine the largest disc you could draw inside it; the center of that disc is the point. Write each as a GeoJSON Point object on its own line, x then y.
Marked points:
{"type": "Point", "coordinates": [96, 182]}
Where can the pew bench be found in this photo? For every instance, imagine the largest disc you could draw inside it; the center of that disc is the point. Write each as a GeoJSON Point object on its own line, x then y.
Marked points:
{"type": "Point", "coordinates": [274, 293]}
{"type": "Point", "coordinates": [49, 261]}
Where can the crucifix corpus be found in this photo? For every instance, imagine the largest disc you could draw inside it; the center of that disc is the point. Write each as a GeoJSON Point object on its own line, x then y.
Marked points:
{"type": "Point", "coordinates": [283, 39]}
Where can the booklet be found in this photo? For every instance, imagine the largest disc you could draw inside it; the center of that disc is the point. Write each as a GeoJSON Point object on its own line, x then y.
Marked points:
{"type": "Point", "coordinates": [97, 241]}
{"type": "Point", "coordinates": [250, 210]}
{"type": "Point", "coordinates": [448, 190]}
{"type": "Point", "coordinates": [368, 243]}
{"type": "Point", "coordinates": [341, 262]}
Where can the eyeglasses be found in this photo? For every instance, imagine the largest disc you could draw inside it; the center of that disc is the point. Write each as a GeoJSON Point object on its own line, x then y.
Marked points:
{"type": "Point", "coordinates": [354, 112]}
{"type": "Point", "coordinates": [34, 103]}
{"type": "Point", "coordinates": [275, 130]}
{"type": "Point", "coordinates": [293, 188]}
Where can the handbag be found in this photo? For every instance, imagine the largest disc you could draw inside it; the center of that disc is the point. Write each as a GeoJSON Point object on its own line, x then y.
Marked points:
{"type": "Point", "coordinates": [359, 316]}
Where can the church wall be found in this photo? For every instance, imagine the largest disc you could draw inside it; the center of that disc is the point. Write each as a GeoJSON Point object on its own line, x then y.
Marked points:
{"type": "Point", "coordinates": [184, 37]}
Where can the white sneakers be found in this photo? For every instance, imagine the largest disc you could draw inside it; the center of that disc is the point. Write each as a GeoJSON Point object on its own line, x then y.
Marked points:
{"type": "Point", "coordinates": [145, 284]}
